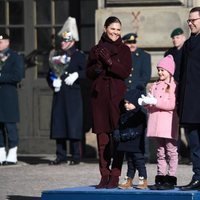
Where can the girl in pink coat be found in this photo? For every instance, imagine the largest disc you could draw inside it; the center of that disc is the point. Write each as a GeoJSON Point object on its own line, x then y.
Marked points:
{"type": "Point", "coordinates": [163, 123]}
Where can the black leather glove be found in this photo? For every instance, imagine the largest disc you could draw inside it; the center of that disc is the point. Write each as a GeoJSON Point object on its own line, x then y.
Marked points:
{"type": "Point", "coordinates": [105, 56]}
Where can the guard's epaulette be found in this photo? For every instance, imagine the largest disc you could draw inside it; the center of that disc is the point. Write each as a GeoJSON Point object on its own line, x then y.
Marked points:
{"type": "Point", "coordinates": [80, 51]}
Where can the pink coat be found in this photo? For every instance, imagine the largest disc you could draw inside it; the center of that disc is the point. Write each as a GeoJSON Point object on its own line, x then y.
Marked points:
{"type": "Point", "coordinates": [163, 119]}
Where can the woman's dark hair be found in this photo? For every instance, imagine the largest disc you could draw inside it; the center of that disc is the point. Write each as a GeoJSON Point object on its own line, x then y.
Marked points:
{"type": "Point", "coordinates": [110, 20]}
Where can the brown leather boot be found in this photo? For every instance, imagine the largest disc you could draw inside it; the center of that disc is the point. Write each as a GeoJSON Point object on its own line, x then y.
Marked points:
{"type": "Point", "coordinates": [113, 182]}
{"type": "Point", "coordinates": [103, 182]}
{"type": "Point", "coordinates": [142, 184]}
{"type": "Point", "coordinates": [127, 184]}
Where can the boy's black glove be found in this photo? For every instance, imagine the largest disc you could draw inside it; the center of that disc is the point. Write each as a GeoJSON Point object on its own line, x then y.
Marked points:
{"type": "Point", "coordinates": [125, 135]}
{"type": "Point", "coordinates": [116, 135]}
{"type": "Point", "coordinates": [128, 134]}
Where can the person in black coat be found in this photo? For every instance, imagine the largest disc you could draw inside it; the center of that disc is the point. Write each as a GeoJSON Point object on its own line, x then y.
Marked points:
{"type": "Point", "coordinates": [141, 63]}
{"type": "Point", "coordinates": [189, 95]}
{"type": "Point", "coordinates": [178, 39]}
{"type": "Point", "coordinates": [130, 137]}
{"type": "Point", "coordinates": [67, 68]}
{"type": "Point", "coordinates": [11, 73]}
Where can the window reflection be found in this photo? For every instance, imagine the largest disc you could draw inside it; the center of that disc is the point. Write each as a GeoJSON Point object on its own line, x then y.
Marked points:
{"type": "Point", "coordinates": [43, 64]}
{"type": "Point", "coordinates": [43, 10]}
{"type": "Point", "coordinates": [61, 7]}
{"type": "Point", "coordinates": [44, 37]}
{"type": "Point", "coordinates": [2, 12]}
{"type": "Point", "coordinates": [17, 38]}
{"type": "Point", "coordinates": [16, 12]}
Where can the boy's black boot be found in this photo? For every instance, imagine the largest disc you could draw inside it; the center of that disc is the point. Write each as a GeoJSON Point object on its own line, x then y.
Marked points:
{"type": "Point", "coordinates": [169, 184]}
{"type": "Point", "coordinates": [159, 181]}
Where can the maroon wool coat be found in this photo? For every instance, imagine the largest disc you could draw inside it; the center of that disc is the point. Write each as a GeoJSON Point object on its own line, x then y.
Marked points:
{"type": "Point", "coordinates": [108, 85]}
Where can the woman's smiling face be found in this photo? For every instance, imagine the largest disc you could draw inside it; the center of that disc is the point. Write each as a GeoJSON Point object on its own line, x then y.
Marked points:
{"type": "Point", "coordinates": [113, 31]}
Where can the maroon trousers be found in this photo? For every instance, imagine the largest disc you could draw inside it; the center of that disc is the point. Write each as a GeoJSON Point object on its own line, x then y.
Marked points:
{"type": "Point", "coordinates": [109, 156]}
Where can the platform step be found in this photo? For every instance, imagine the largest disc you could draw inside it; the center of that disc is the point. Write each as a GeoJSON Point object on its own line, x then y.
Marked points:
{"type": "Point", "coordinates": [90, 193]}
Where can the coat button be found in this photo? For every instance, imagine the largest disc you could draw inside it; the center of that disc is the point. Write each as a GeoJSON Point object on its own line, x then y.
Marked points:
{"type": "Point", "coordinates": [130, 81]}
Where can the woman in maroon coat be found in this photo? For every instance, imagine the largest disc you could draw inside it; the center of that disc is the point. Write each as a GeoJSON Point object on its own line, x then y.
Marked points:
{"type": "Point", "coordinates": [109, 64]}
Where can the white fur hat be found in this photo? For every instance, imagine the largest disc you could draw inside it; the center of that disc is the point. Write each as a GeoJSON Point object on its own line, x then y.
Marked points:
{"type": "Point", "coordinates": [69, 30]}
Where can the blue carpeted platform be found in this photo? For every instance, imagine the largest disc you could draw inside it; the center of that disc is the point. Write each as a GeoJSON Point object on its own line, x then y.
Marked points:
{"type": "Point", "coordinates": [89, 193]}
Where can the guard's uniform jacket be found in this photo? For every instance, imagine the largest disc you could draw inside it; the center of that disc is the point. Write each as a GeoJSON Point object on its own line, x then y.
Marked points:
{"type": "Point", "coordinates": [67, 105]}
{"type": "Point", "coordinates": [11, 73]}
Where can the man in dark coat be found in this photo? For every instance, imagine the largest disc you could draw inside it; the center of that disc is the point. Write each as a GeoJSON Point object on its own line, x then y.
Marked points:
{"type": "Point", "coordinates": [178, 39]}
{"type": "Point", "coordinates": [141, 63]}
{"type": "Point", "coordinates": [189, 94]}
{"type": "Point", "coordinates": [67, 108]}
{"type": "Point", "coordinates": [11, 73]}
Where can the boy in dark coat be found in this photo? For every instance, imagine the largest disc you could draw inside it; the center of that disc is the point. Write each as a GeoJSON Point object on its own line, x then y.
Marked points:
{"type": "Point", "coordinates": [130, 138]}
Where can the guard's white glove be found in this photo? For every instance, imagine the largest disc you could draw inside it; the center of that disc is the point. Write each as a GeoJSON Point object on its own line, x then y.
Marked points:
{"type": "Point", "coordinates": [57, 84]}
{"type": "Point", "coordinates": [71, 78]}
{"type": "Point", "coordinates": [150, 99]}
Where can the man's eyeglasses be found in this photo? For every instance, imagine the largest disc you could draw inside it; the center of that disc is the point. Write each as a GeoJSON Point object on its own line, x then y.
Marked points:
{"type": "Point", "coordinates": [192, 20]}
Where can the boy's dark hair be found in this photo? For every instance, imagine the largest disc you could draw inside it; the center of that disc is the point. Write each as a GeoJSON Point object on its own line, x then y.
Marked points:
{"type": "Point", "coordinates": [133, 95]}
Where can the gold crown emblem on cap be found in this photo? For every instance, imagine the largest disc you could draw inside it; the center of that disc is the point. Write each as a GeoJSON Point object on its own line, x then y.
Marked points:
{"type": "Point", "coordinates": [67, 36]}
{"type": "Point", "coordinates": [132, 37]}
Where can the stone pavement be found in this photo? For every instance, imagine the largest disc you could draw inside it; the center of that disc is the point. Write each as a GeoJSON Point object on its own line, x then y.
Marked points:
{"type": "Point", "coordinates": [32, 175]}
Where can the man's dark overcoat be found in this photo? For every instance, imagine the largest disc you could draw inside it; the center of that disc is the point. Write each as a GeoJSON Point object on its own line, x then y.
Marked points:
{"type": "Point", "coordinates": [177, 55]}
{"type": "Point", "coordinates": [189, 82]}
{"type": "Point", "coordinates": [67, 105]}
{"type": "Point", "coordinates": [11, 75]}
{"type": "Point", "coordinates": [141, 69]}
{"type": "Point", "coordinates": [108, 85]}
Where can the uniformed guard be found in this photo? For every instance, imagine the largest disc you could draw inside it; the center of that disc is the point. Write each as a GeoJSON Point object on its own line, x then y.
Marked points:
{"type": "Point", "coordinates": [67, 67]}
{"type": "Point", "coordinates": [11, 73]}
{"type": "Point", "coordinates": [141, 63]}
